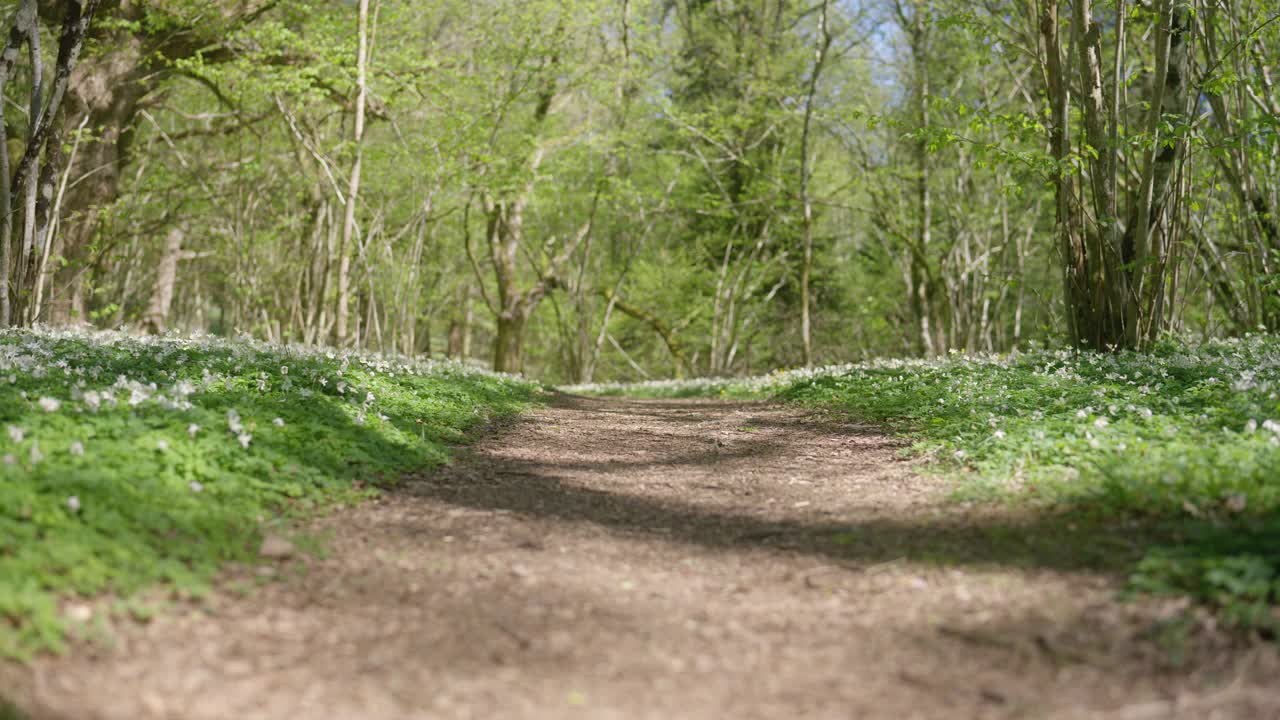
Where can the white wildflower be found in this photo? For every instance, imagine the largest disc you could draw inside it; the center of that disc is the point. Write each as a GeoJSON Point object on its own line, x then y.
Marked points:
{"type": "Point", "coordinates": [1251, 426]}
{"type": "Point", "coordinates": [36, 455]}
{"type": "Point", "coordinates": [196, 486]}
{"type": "Point", "coordinates": [244, 438]}
{"type": "Point", "coordinates": [959, 454]}
{"type": "Point", "coordinates": [233, 421]}
{"type": "Point", "coordinates": [73, 503]}
{"type": "Point", "coordinates": [16, 433]}
{"type": "Point", "coordinates": [92, 399]}
{"type": "Point", "coordinates": [278, 422]}
{"type": "Point", "coordinates": [162, 445]}
{"type": "Point", "coordinates": [192, 429]}
{"type": "Point", "coordinates": [49, 404]}
{"type": "Point", "coordinates": [77, 448]}
{"type": "Point", "coordinates": [284, 369]}
{"type": "Point", "coordinates": [998, 435]}
{"type": "Point", "coordinates": [1082, 414]}
{"type": "Point", "coordinates": [1101, 423]}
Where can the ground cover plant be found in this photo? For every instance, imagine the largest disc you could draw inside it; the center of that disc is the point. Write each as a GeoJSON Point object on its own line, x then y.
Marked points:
{"type": "Point", "coordinates": [130, 461]}
{"type": "Point", "coordinates": [1185, 438]}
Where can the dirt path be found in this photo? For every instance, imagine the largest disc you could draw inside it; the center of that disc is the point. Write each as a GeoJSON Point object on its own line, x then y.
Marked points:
{"type": "Point", "coordinates": [667, 559]}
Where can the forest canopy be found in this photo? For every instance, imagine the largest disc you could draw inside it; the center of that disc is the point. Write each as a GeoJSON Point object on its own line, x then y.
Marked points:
{"type": "Point", "coordinates": [595, 190]}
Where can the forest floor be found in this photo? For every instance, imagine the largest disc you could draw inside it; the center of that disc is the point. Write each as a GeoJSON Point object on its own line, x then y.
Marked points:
{"type": "Point", "coordinates": [671, 558]}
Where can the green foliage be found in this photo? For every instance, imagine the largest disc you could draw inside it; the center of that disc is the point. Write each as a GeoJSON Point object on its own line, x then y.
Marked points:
{"type": "Point", "coordinates": [129, 462]}
{"type": "Point", "coordinates": [1234, 569]}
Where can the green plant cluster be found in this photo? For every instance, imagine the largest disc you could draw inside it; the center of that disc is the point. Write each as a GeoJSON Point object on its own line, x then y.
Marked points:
{"type": "Point", "coordinates": [1185, 438]}
{"type": "Point", "coordinates": [129, 462]}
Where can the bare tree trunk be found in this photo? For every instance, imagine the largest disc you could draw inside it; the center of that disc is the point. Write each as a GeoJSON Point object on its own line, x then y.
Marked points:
{"type": "Point", "coordinates": [924, 286]}
{"type": "Point", "coordinates": [806, 174]}
{"type": "Point", "coordinates": [353, 183]}
{"type": "Point", "coordinates": [508, 346]}
{"type": "Point", "coordinates": [156, 317]}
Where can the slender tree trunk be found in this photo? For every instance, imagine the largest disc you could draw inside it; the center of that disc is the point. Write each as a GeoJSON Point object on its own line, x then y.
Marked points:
{"type": "Point", "coordinates": [806, 173]}
{"type": "Point", "coordinates": [342, 312]}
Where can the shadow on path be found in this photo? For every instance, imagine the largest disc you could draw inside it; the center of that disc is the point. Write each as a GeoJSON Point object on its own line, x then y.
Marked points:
{"type": "Point", "coordinates": [563, 482]}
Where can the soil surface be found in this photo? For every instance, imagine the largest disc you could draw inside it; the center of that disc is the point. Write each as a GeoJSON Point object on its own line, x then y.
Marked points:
{"type": "Point", "coordinates": [670, 559]}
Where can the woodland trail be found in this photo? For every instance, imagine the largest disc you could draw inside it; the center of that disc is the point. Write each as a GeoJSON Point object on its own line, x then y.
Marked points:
{"type": "Point", "coordinates": [668, 559]}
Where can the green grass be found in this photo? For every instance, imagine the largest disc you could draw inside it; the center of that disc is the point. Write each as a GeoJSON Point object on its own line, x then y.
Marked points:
{"type": "Point", "coordinates": [129, 463]}
{"type": "Point", "coordinates": [1185, 438]}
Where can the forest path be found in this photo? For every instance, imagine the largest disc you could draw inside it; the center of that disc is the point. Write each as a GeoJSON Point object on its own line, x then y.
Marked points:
{"type": "Point", "coordinates": [665, 559]}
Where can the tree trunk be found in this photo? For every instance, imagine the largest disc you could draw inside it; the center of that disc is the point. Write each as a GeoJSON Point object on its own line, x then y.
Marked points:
{"type": "Point", "coordinates": [156, 317]}
{"type": "Point", "coordinates": [341, 317]}
{"type": "Point", "coordinates": [37, 171]}
{"type": "Point", "coordinates": [806, 172]}
{"type": "Point", "coordinates": [1115, 272]}
{"type": "Point", "coordinates": [508, 346]}
{"type": "Point", "coordinates": [107, 93]}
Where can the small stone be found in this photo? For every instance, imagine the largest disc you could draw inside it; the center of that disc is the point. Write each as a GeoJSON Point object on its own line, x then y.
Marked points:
{"type": "Point", "coordinates": [275, 547]}
{"type": "Point", "coordinates": [265, 571]}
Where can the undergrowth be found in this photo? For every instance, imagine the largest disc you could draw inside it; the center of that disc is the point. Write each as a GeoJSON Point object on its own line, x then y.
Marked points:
{"type": "Point", "coordinates": [1184, 436]}
{"type": "Point", "coordinates": [134, 462]}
